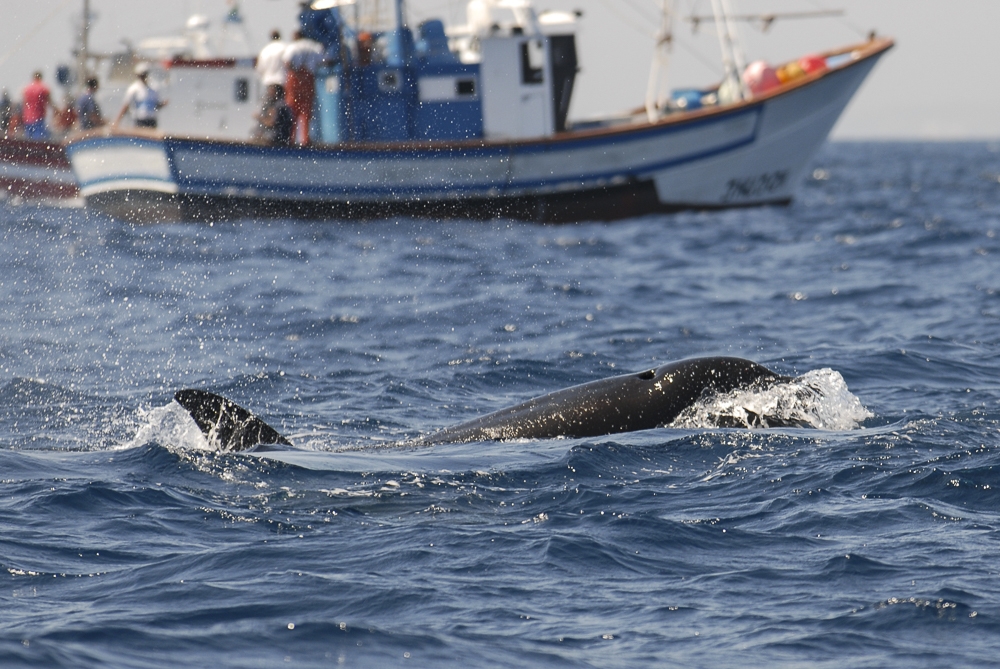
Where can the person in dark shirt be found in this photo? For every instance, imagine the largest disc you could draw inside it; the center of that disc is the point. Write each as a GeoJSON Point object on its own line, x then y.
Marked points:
{"type": "Point", "coordinates": [88, 111]}
{"type": "Point", "coordinates": [276, 118]}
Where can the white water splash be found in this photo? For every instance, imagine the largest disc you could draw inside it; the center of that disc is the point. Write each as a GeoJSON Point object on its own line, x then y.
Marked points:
{"type": "Point", "coordinates": [818, 399]}
{"type": "Point", "coordinates": [170, 426]}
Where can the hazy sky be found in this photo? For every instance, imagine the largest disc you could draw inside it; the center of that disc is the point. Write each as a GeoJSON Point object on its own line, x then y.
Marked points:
{"type": "Point", "coordinates": [940, 82]}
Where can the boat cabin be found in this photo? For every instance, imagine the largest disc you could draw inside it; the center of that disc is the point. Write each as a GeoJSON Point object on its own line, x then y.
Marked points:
{"type": "Point", "coordinates": [507, 74]}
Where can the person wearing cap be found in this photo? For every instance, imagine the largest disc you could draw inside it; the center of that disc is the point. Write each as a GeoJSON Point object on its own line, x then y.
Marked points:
{"type": "Point", "coordinates": [142, 100]}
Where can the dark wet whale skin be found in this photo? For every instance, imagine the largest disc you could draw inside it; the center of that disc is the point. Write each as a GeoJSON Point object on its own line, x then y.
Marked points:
{"type": "Point", "coordinates": [620, 404]}
{"type": "Point", "coordinates": [625, 403]}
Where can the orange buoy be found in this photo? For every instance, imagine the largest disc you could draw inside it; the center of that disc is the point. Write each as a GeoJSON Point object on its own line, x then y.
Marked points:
{"type": "Point", "coordinates": [790, 72]}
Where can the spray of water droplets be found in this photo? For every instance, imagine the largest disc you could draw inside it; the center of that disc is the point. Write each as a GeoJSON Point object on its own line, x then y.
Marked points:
{"type": "Point", "coordinates": [818, 399]}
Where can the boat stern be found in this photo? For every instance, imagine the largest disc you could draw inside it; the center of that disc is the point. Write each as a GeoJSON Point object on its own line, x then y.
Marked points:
{"type": "Point", "coordinates": [126, 176]}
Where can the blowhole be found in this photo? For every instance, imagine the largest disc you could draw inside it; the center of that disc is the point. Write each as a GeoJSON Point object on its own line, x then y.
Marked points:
{"type": "Point", "coordinates": [648, 376]}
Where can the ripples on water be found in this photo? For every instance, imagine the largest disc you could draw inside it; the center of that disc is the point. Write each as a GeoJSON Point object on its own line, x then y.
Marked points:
{"type": "Point", "coordinates": [870, 541]}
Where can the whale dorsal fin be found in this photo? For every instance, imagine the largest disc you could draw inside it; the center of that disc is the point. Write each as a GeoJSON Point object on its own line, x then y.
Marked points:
{"type": "Point", "coordinates": [227, 425]}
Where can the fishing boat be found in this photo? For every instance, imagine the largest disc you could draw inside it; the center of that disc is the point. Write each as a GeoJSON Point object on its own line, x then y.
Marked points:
{"type": "Point", "coordinates": [471, 121]}
{"type": "Point", "coordinates": [32, 170]}
{"type": "Point", "coordinates": [206, 70]}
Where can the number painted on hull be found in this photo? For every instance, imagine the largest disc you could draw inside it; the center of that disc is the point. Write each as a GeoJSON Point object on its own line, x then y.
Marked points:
{"type": "Point", "coordinates": [754, 187]}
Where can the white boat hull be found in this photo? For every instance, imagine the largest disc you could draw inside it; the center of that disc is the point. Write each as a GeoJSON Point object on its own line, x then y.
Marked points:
{"type": "Point", "coordinates": [751, 153]}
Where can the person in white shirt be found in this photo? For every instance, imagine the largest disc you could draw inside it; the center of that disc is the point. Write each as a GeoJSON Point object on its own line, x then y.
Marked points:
{"type": "Point", "coordinates": [271, 62]}
{"type": "Point", "coordinates": [142, 100]}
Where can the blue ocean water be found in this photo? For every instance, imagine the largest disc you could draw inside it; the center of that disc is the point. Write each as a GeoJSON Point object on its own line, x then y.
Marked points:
{"type": "Point", "coordinates": [869, 542]}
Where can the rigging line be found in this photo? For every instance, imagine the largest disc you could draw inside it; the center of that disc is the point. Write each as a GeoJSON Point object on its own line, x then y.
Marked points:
{"type": "Point", "coordinates": [34, 31]}
{"type": "Point", "coordinates": [765, 20]}
{"type": "Point", "coordinates": [701, 58]}
{"type": "Point", "coordinates": [641, 11]}
{"type": "Point", "coordinates": [610, 4]}
{"type": "Point", "coordinates": [843, 19]}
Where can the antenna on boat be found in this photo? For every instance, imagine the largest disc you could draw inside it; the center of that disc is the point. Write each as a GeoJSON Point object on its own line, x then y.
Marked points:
{"type": "Point", "coordinates": [655, 90]}
{"type": "Point", "coordinates": [234, 38]}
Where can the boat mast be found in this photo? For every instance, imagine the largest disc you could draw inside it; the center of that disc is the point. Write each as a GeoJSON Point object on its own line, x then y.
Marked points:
{"type": "Point", "coordinates": [661, 59]}
{"type": "Point", "coordinates": [734, 39]}
{"type": "Point", "coordinates": [84, 55]}
{"type": "Point", "coordinates": [732, 56]}
{"type": "Point", "coordinates": [400, 58]}
{"type": "Point", "coordinates": [399, 19]}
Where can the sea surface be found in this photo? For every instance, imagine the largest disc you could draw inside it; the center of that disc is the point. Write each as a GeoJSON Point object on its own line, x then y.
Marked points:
{"type": "Point", "coordinates": [871, 539]}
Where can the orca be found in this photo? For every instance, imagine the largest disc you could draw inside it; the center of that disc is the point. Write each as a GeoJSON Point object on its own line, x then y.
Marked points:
{"type": "Point", "coordinates": [227, 425]}
{"type": "Point", "coordinates": [626, 403]}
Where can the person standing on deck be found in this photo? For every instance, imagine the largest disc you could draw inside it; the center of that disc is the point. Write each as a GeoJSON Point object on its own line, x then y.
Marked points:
{"type": "Point", "coordinates": [271, 70]}
{"type": "Point", "coordinates": [88, 112]}
{"type": "Point", "coordinates": [271, 62]}
{"type": "Point", "coordinates": [142, 100]}
{"type": "Point", "coordinates": [302, 57]}
{"type": "Point", "coordinates": [275, 118]}
{"type": "Point", "coordinates": [37, 101]}
{"type": "Point", "coordinates": [64, 120]}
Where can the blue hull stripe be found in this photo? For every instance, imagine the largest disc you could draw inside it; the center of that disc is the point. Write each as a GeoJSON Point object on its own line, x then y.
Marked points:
{"type": "Point", "coordinates": [509, 152]}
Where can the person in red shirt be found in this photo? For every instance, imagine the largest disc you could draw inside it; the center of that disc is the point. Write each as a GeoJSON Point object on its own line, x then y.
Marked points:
{"type": "Point", "coordinates": [37, 101]}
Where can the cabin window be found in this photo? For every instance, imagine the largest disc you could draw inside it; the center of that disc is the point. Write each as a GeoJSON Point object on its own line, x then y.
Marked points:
{"type": "Point", "coordinates": [465, 87]}
{"type": "Point", "coordinates": [532, 62]}
{"type": "Point", "coordinates": [242, 90]}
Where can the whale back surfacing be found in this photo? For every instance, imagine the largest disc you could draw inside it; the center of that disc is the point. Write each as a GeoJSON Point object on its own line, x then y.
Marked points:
{"type": "Point", "coordinates": [625, 403]}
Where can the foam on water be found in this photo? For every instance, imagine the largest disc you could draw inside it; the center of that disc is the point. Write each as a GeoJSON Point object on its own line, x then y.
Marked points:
{"type": "Point", "coordinates": [818, 399]}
